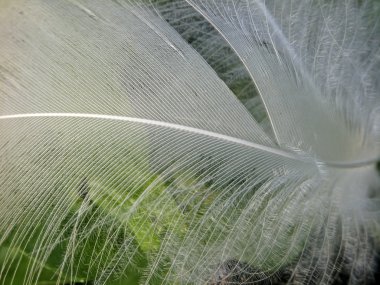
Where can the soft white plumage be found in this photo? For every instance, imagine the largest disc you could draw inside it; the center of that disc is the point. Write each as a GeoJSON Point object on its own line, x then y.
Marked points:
{"type": "Point", "coordinates": [189, 142]}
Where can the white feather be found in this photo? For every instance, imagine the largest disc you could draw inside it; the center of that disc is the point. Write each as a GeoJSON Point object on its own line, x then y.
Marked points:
{"type": "Point", "coordinates": [184, 142]}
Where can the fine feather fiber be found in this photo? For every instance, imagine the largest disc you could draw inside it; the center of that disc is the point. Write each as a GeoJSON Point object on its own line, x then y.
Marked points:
{"type": "Point", "coordinates": [189, 141]}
